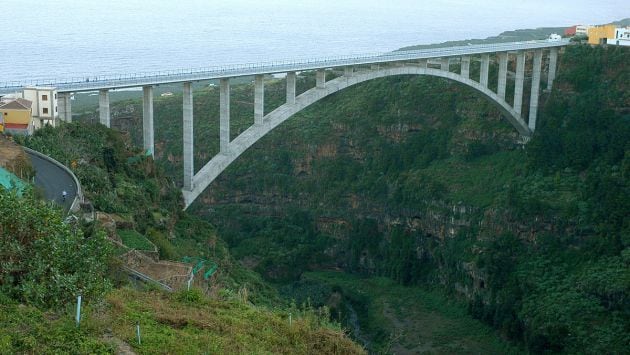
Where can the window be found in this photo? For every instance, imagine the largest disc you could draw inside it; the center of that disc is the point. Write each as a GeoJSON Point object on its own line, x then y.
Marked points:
{"type": "Point", "coordinates": [55, 96]}
{"type": "Point", "coordinates": [44, 97]}
{"type": "Point", "coordinates": [55, 108]}
{"type": "Point", "coordinates": [45, 110]}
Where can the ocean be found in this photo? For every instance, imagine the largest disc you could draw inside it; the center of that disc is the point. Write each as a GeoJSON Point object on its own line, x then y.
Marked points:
{"type": "Point", "coordinates": [57, 39]}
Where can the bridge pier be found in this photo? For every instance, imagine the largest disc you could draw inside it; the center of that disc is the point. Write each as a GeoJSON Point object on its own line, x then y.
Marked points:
{"type": "Point", "coordinates": [519, 81]}
{"type": "Point", "coordinates": [224, 115]}
{"type": "Point", "coordinates": [348, 71]}
{"type": "Point", "coordinates": [103, 107]}
{"type": "Point", "coordinates": [444, 64]}
{"type": "Point", "coordinates": [188, 137]}
{"type": "Point", "coordinates": [503, 62]}
{"type": "Point", "coordinates": [147, 119]}
{"type": "Point", "coordinates": [320, 79]}
{"type": "Point", "coordinates": [65, 106]}
{"type": "Point", "coordinates": [465, 67]}
{"type": "Point", "coordinates": [553, 62]}
{"type": "Point", "coordinates": [291, 79]}
{"type": "Point", "coordinates": [259, 99]}
{"type": "Point", "coordinates": [533, 101]}
{"type": "Point", "coordinates": [484, 70]}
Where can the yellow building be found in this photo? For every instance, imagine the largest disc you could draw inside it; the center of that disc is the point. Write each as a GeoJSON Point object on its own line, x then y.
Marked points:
{"type": "Point", "coordinates": [16, 117]}
{"type": "Point", "coordinates": [599, 34]}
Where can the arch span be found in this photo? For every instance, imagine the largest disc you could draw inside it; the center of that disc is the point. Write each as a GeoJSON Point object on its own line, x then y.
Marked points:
{"type": "Point", "coordinates": [235, 148]}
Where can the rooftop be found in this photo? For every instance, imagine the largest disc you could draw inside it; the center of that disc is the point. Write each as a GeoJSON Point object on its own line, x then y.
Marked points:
{"type": "Point", "coordinates": [17, 104]}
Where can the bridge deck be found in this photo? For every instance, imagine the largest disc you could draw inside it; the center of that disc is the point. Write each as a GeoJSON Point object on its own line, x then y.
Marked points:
{"type": "Point", "coordinates": [178, 76]}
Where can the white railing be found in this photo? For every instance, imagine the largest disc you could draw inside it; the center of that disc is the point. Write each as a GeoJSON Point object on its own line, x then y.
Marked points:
{"type": "Point", "coordinates": [116, 81]}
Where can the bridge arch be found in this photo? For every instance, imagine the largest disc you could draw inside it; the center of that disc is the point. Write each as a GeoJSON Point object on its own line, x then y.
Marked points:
{"type": "Point", "coordinates": [208, 173]}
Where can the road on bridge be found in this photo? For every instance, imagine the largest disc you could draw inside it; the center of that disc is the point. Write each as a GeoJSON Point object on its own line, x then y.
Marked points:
{"type": "Point", "coordinates": [53, 180]}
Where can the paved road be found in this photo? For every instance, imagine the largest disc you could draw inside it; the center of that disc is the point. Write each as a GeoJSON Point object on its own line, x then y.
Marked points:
{"type": "Point", "coordinates": [231, 71]}
{"type": "Point", "coordinates": [53, 181]}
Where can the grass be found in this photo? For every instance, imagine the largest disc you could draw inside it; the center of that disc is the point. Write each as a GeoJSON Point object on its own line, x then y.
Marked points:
{"type": "Point", "coordinates": [28, 330]}
{"type": "Point", "coordinates": [180, 323]}
{"type": "Point", "coordinates": [135, 240]}
{"type": "Point", "coordinates": [416, 319]}
{"type": "Point", "coordinates": [173, 324]}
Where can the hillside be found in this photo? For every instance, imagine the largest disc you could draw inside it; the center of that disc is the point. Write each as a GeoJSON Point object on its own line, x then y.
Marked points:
{"type": "Point", "coordinates": [48, 260]}
{"type": "Point", "coordinates": [420, 180]}
{"type": "Point", "coordinates": [408, 180]}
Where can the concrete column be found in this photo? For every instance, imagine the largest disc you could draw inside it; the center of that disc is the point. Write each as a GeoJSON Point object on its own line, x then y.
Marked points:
{"type": "Point", "coordinates": [518, 82]}
{"type": "Point", "coordinates": [348, 71]}
{"type": "Point", "coordinates": [64, 105]}
{"type": "Point", "coordinates": [553, 62]}
{"type": "Point", "coordinates": [503, 62]}
{"type": "Point", "coordinates": [423, 63]}
{"type": "Point", "coordinates": [224, 115]}
{"type": "Point", "coordinates": [291, 79]}
{"type": "Point", "coordinates": [103, 107]}
{"type": "Point", "coordinates": [533, 102]}
{"type": "Point", "coordinates": [485, 69]}
{"type": "Point", "coordinates": [259, 99]}
{"type": "Point", "coordinates": [147, 119]}
{"type": "Point", "coordinates": [444, 64]}
{"type": "Point", "coordinates": [465, 67]}
{"type": "Point", "coordinates": [320, 79]}
{"type": "Point", "coordinates": [189, 171]}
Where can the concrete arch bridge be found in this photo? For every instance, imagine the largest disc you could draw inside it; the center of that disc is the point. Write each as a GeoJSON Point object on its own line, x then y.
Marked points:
{"type": "Point", "coordinates": [433, 62]}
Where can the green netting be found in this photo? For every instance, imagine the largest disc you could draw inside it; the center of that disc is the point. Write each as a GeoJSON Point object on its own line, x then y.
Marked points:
{"type": "Point", "coordinates": [200, 263]}
{"type": "Point", "coordinates": [10, 181]}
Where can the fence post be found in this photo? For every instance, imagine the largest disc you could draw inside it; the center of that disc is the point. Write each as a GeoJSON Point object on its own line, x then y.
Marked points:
{"type": "Point", "coordinates": [138, 332]}
{"type": "Point", "coordinates": [78, 317]}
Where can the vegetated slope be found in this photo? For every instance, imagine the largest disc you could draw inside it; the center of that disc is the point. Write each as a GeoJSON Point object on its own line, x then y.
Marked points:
{"type": "Point", "coordinates": [420, 180]}
{"type": "Point", "coordinates": [47, 263]}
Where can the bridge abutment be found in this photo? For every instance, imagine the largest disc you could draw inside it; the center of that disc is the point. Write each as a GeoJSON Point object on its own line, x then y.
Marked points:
{"type": "Point", "coordinates": [320, 79]}
{"type": "Point", "coordinates": [484, 70]}
{"type": "Point", "coordinates": [465, 67]}
{"type": "Point", "coordinates": [291, 80]}
{"type": "Point", "coordinates": [444, 64]}
{"type": "Point", "coordinates": [553, 62]}
{"type": "Point", "coordinates": [259, 99]}
{"type": "Point", "coordinates": [147, 119]}
{"type": "Point", "coordinates": [103, 108]}
{"type": "Point", "coordinates": [65, 106]}
{"type": "Point", "coordinates": [224, 114]}
{"type": "Point", "coordinates": [503, 63]}
{"type": "Point", "coordinates": [188, 136]}
{"type": "Point", "coordinates": [519, 82]}
{"type": "Point", "coordinates": [533, 100]}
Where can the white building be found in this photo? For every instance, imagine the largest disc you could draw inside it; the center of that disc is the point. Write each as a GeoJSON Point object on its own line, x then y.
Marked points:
{"type": "Point", "coordinates": [622, 37]}
{"type": "Point", "coordinates": [554, 37]}
{"type": "Point", "coordinates": [582, 29]}
{"type": "Point", "coordinates": [45, 111]}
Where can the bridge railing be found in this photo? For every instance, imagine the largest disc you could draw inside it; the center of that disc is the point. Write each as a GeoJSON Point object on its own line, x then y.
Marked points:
{"type": "Point", "coordinates": [103, 81]}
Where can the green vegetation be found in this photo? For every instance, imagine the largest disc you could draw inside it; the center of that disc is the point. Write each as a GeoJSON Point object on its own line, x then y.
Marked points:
{"type": "Point", "coordinates": [415, 179]}
{"type": "Point", "coordinates": [135, 240]}
{"type": "Point", "coordinates": [418, 179]}
{"type": "Point", "coordinates": [46, 262]}
{"type": "Point", "coordinates": [395, 318]}
{"type": "Point", "coordinates": [187, 322]}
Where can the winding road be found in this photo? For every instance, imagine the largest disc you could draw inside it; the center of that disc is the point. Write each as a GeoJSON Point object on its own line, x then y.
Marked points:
{"type": "Point", "coordinates": [53, 180]}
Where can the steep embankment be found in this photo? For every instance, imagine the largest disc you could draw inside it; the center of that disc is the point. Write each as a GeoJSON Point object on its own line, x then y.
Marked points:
{"type": "Point", "coordinates": [421, 180]}
{"type": "Point", "coordinates": [47, 261]}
